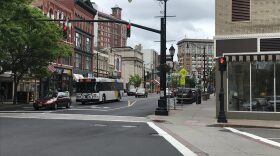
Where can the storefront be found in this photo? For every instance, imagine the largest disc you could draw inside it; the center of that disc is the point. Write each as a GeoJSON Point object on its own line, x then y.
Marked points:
{"type": "Point", "coordinates": [253, 85]}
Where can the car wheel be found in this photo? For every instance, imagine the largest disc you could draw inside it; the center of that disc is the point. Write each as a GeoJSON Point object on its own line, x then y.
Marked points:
{"type": "Point", "coordinates": [36, 108]}
{"type": "Point", "coordinates": [55, 106]}
{"type": "Point", "coordinates": [68, 105]}
{"type": "Point", "coordinates": [103, 99]}
{"type": "Point", "coordinates": [119, 97]}
{"type": "Point", "coordinates": [83, 103]}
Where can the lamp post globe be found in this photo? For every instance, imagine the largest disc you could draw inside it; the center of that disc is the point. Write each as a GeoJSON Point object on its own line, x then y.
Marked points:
{"type": "Point", "coordinates": [172, 51]}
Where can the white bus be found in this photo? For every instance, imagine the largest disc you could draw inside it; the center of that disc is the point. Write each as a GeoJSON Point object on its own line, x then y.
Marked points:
{"type": "Point", "coordinates": [99, 90]}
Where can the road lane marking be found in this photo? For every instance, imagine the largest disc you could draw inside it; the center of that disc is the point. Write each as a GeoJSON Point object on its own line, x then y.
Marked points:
{"type": "Point", "coordinates": [128, 126]}
{"type": "Point", "coordinates": [75, 117]}
{"type": "Point", "coordinates": [179, 146]}
{"type": "Point", "coordinates": [131, 104]}
{"type": "Point", "coordinates": [277, 144]}
{"type": "Point", "coordinates": [99, 125]}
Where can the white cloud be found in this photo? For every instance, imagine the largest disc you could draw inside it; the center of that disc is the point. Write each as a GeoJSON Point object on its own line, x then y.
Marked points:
{"type": "Point", "coordinates": [194, 19]}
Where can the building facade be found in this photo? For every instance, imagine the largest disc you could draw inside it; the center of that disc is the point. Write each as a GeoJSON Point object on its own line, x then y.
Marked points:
{"type": "Point", "coordinates": [111, 34]}
{"type": "Point", "coordinates": [62, 68]}
{"type": "Point", "coordinates": [191, 56]}
{"type": "Point", "coordinates": [131, 64]}
{"type": "Point", "coordinates": [248, 35]}
{"type": "Point", "coordinates": [151, 61]}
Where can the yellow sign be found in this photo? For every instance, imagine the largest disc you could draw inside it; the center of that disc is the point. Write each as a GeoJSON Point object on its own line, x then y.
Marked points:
{"type": "Point", "coordinates": [182, 81]}
{"type": "Point", "coordinates": [183, 72]}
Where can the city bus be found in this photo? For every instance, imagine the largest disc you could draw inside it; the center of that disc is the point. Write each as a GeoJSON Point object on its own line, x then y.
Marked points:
{"type": "Point", "coordinates": [99, 90]}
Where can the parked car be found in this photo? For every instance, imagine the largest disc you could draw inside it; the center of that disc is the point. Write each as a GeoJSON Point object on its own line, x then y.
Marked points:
{"type": "Point", "coordinates": [141, 92]}
{"type": "Point", "coordinates": [131, 92]}
{"type": "Point", "coordinates": [186, 95]}
{"type": "Point", "coordinates": [53, 101]}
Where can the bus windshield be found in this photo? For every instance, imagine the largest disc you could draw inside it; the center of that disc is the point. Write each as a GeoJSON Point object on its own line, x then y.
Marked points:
{"type": "Point", "coordinates": [86, 87]}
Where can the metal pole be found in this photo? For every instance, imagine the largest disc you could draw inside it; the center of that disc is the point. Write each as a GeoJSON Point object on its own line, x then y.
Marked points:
{"type": "Point", "coordinates": [97, 70]}
{"type": "Point", "coordinates": [222, 116]}
{"type": "Point", "coordinates": [162, 103]}
{"type": "Point", "coordinates": [204, 69]}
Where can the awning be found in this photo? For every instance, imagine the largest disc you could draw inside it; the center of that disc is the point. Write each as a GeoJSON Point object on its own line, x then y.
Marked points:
{"type": "Point", "coordinates": [252, 57]}
{"type": "Point", "coordinates": [76, 77]}
{"type": "Point", "coordinates": [155, 81]}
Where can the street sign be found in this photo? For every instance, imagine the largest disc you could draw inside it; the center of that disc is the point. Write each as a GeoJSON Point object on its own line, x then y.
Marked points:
{"type": "Point", "coordinates": [183, 72]}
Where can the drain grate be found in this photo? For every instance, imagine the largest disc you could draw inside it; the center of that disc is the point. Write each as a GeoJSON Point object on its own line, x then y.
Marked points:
{"type": "Point", "coordinates": [159, 121]}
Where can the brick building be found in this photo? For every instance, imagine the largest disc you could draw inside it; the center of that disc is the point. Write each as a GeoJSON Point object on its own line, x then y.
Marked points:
{"type": "Point", "coordinates": [248, 35]}
{"type": "Point", "coordinates": [111, 34]}
{"type": "Point", "coordinates": [80, 36]}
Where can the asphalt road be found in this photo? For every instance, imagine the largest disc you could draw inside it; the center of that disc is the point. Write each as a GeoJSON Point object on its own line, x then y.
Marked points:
{"type": "Point", "coordinates": [128, 106]}
{"type": "Point", "coordinates": [38, 137]}
{"type": "Point", "coordinates": [270, 134]}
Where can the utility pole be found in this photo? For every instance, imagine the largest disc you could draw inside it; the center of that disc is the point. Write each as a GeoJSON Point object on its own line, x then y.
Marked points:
{"type": "Point", "coordinates": [204, 78]}
{"type": "Point", "coordinates": [162, 103]}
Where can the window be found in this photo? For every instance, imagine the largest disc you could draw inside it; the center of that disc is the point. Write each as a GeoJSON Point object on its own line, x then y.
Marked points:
{"type": "Point", "coordinates": [88, 63]}
{"type": "Point", "coordinates": [240, 10]}
{"type": "Point", "coordinates": [239, 86]}
{"type": "Point", "coordinates": [78, 61]}
{"type": "Point", "coordinates": [66, 60]}
{"type": "Point", "coordinates": [78, 39]}
{"type": "Point", "coordinates": [88, 44]}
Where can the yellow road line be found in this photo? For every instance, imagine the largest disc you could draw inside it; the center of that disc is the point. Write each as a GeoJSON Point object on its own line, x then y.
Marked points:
{"type": "Point", "coordinates": [129, 104]}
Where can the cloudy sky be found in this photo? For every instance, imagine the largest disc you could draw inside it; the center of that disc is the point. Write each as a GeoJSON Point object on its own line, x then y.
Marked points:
{"type": "Point", "coordinates": [194, 19]}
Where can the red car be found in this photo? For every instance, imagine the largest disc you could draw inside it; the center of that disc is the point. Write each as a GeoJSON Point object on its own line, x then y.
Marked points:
{"type": "Point", "coordinates": [53, 101]}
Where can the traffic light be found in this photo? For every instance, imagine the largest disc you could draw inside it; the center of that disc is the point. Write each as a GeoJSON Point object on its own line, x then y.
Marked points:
{"type": "Point", "coordinates": [128, 28]}
{"type": "Point", "coordinates": [222, 64]}
{"type": "Point", "coordinates": [65, 29]}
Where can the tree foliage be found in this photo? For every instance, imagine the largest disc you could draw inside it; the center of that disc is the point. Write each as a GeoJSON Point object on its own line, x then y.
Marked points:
{"type": "Point", "coordinates": [135, 80]}
{"type": "Point", "coordinates": [27, 45]}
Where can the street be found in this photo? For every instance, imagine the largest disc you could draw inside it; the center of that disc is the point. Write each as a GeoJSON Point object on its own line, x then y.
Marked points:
{"type": "Point", "coordinates": [114, 128]}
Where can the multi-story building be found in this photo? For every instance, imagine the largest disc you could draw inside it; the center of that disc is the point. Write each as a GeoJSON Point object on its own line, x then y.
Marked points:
{"type": "Point", "coordinates": [191, 56]}
{"type": "Point", "coordinates": [83, 35]}
{"type": "Point", "coordinates": [61, 78]}
{"type": "Point", "coordinates": [151, 61]}
{"type": "Point", "coordinates": [131, 64]}
{"type": "Point", "coordinates": [111, 34]}
{"type": "Point", "coordinates": [248, 35]}
{"type": "Point", "coordinates": [101, 63]}
{"type": "Point", "coordinates": [115, 64]}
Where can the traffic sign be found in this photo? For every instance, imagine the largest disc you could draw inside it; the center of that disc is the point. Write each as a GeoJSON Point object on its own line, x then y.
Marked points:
{"type": "Point", "coordinates": [183, 72]}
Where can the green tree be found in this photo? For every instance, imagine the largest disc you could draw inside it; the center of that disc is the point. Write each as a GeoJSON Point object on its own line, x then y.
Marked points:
{"type": "Point", "coordinates": [135, 80]}
{"type": "Point", "coordinates": [27, 45]}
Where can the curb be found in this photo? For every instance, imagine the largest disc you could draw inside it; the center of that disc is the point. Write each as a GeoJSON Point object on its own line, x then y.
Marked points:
{"type": "Point", "coordinates": [242, 126]}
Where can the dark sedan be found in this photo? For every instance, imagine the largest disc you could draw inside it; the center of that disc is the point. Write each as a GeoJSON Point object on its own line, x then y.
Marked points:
{"type": "Point", "coordinates": [186, 95]}
{"type": "Point", "coordinates": [53, 101]}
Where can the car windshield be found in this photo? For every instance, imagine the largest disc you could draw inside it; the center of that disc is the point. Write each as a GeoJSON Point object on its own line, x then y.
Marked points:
{"type": "Point", "coordinates": [183, 90]}
{"type": "Point", "coordinates": [50, 95]}
{"type": "Point", "coordinates": [132, 90]}
{"type": "Point", "coordinates": [141, 90]}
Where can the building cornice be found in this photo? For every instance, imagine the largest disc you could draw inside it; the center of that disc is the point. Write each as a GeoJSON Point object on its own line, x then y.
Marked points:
{"type": "Point", "coordinates": [244, 36]}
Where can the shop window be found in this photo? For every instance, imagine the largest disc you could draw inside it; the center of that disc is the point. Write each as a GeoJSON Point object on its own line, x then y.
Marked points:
{"type": "Point", "coordinates": [239, 86]}
{"type": "Point", "coordinates": [262, 86]}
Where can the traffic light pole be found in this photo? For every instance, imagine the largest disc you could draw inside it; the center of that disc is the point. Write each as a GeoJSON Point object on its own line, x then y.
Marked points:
{"type": "Point", "coordinates": [222, 116]}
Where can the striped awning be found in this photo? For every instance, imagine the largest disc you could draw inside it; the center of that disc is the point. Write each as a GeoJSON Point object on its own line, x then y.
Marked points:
{"type": "Point", "coordinates": [252, 57]}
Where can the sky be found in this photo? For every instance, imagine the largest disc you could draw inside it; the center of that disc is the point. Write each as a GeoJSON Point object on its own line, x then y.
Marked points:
{"type": "Point", "coordinates": [193, 19]}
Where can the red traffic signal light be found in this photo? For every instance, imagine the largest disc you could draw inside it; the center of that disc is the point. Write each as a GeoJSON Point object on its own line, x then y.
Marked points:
{"type": "Point", "coordinates": [65, 29]}
{"type": "Point", "coordinates": [128, 28]}
{"type": "Point", "coordinates": [222, 64]}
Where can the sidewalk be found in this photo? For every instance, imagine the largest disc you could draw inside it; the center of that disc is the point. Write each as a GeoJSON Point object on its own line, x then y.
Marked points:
{"type": "Point", "coordinates": [196, 127]}
{"type": "Point", "coordinates": [9, 106]}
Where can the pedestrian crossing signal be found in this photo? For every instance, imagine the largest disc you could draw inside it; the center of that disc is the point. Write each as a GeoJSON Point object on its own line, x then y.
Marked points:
{"type": "Point", "coordinates": [222, 64]}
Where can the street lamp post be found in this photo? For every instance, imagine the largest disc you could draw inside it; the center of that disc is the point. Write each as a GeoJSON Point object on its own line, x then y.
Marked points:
{"type": "Point", "coordinates": [162, 103]}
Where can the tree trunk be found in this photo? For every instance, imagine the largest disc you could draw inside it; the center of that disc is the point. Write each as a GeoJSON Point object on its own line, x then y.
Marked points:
{"type": "Point", "coordinates": [15, 89]}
